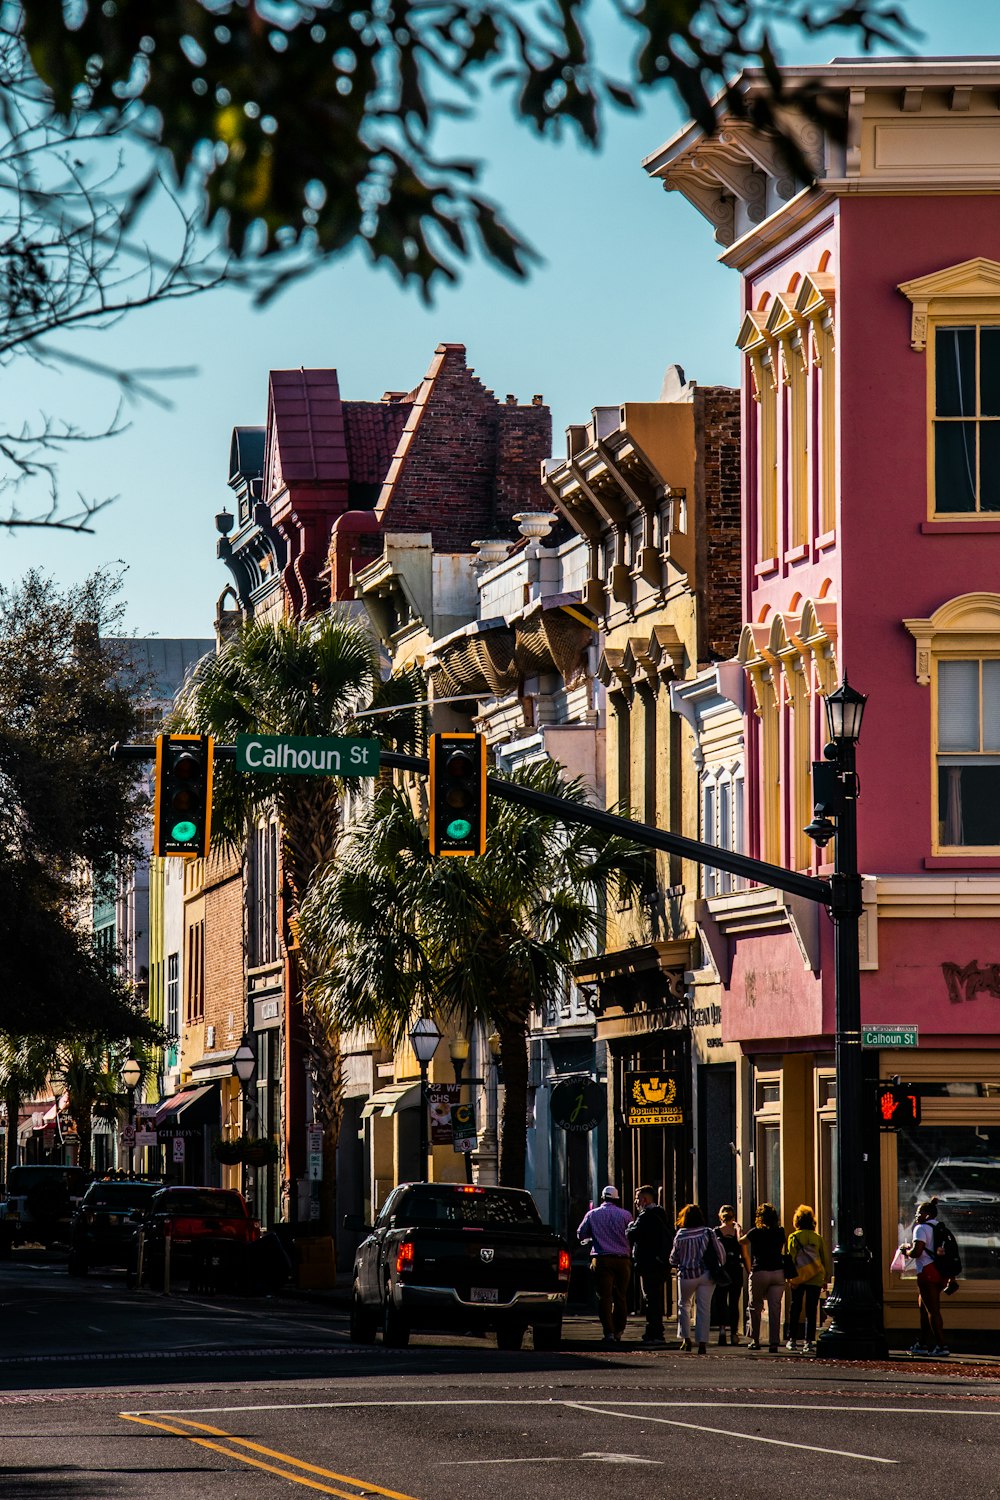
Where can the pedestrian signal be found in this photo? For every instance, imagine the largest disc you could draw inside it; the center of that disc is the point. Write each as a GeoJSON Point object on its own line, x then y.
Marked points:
{"type": "Point", "coordinates": [898, 1106]}
{"type": "Point", "coordinates": [182, 808]}
{"type": "Point", "coordinates": [457, 794]}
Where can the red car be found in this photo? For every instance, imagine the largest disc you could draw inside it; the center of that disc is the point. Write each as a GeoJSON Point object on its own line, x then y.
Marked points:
{"type": "Point", "coordinates": [209, 1232]}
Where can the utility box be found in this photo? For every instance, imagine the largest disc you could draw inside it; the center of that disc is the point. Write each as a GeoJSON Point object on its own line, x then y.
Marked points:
{"type": "Point", "coordinates": [315, 1263]}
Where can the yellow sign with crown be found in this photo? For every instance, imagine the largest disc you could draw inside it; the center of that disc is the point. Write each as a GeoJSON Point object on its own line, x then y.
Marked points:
{"type": "Point", "coordinates": [652, 1098]}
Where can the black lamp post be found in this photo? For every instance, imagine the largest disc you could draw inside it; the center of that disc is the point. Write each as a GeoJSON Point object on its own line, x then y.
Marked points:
{"type": "Point", "coordinates": [424, 1038]}
{"type": "Point", "coordinates": [244, 1067]}
{"type": "Point", "coordinates": [459, 1049]}
{"type": "Point", "coordinates": [131, 1073]}
{"type": "Point", "coordinates": [855, 1330]}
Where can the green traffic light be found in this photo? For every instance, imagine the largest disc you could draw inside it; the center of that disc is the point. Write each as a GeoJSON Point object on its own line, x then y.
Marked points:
{"type": "Point", "coordinates": [458, 828]}
{"type": "Point", "coordinates": [184, 832]}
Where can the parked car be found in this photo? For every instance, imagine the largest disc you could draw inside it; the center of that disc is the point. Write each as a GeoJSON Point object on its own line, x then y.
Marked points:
{"type": "Point", "coordinates": [210, 1232]}
{"type": "Point", "coordinates": [40, 1204]}
{"type": "Point", "coordinates": [454, 1256]}
{"type": "Point", "coordinates": [968, 1192]}
{"type": "Point", "coordinates": [104, 1226]}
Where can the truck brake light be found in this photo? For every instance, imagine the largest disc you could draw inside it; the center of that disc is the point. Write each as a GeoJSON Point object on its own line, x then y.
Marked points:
{"type": "Point", "coordinates": [405, 1256]}
{"type": "Point", "coordinates": [564, 1263]}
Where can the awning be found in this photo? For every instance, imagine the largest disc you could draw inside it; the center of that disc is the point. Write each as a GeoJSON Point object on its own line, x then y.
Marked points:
{"type": "Point", "coordinates": [189, 1109]}
{"type": "Point", "coordinates": [391, 1099]}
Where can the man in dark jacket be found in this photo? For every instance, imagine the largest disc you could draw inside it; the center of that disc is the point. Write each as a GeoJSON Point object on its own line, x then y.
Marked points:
{"type": "Point", "coordinates": [649, 1236]}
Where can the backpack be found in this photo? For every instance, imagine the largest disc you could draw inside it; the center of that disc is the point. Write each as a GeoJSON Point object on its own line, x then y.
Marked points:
{"type": "Point", "coordinates": [809, 1265]}
{"type": "Point", "coordinates": [946, 1253]}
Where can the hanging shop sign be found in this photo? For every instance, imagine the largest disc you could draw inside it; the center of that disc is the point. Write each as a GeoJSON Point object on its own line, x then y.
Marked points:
{"type": "Point", "coordinates": [652, 1099]}
{"type": "Point", "coordinates": [578, 1105]}
{"type": "Point", "coordinates": [440, 1098]}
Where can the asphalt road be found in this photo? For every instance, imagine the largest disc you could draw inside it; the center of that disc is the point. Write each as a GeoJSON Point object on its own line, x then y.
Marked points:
{"type": "Point", "coordinates": [106, 1393]}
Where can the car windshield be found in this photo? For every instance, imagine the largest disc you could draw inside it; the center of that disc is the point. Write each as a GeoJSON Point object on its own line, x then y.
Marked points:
{"type": "Point", "coordinates": [484, 1208]}
{"type": "Point", "coordinates": [217, 1204]}
{"type": "Point", "coordinates": [958, 1177]}
{"type": "Point", "coordinates": [121, 1195]}
{"type": "Point", "coordinates": [23, 1179]}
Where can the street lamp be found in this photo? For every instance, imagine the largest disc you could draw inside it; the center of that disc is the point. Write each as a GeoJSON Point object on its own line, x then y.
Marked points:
{"type": "Point", "coordinates": [244, 1067]}
{"type": "Point", "coordinates": [424, 1038]}
{"type": "Point", "coordinates": [855, 1330]}
{"type": "Point", "coordinates": [131, 1073]}
{"type": "Point", "coordinates": [459, 1049]}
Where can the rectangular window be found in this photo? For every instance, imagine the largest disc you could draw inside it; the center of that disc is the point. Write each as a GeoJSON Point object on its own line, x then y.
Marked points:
{"type": "Point", "coordinates": [194, 1008]}
{"type": "Point", "coordinates": [967, 419]}
{"type": "Point", "coordinates": [263, 897]}
{"type": "Point", "coordinates": [968, 753]}
{"type": "Point", "coordinates": [173, 1018]}
{"type": "Point", "coordinates": [768, 456]}
{"type": "Point", "coordinates": [960, 1165]}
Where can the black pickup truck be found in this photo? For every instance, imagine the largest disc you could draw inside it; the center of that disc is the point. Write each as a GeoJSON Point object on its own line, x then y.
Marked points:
{"type": "Point", "coordinates": [466, 1259]}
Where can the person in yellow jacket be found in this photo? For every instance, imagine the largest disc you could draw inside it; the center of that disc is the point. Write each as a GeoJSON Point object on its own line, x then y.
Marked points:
{"type": "Point", "coordinates": [813, 1268]}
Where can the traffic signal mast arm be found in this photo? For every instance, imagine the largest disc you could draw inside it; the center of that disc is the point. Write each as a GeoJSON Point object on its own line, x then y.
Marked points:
{"type": "Point", "coordinates": [809, 887]}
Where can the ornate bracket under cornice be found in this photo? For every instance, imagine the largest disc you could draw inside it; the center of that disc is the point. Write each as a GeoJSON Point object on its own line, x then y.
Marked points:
{"type": "Point", "coordinates": [954, 291]}
{"type": "Point", "coordinates": [723, 920]}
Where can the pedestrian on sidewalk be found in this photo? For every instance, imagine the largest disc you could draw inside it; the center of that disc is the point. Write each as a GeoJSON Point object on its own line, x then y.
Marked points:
{"type": "Point", "coordinates": [726, 1299]}
{"type": "Point", "coordinates": [695, 1247]}
{"type": "Point", "coordinates": [649, 1235]}
{"type": "Point", "coordinates": [931, 1281]}
{"type": "Point", "coordinates": [808, 1253]}
{"type": "Point", "coordinates": [763, 1253]}
{"type": "Point", "coordinates": [605, 1229]}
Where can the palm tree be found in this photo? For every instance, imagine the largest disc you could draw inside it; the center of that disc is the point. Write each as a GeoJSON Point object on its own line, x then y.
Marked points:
{"type": "Point", "coordinates": [25, 1065]}
{"type": "Point", "coordinates": [398, 932]}
{"type": "Point", "coordinates": [88, 1072]}
{"type": "Point", "coordinates": [311, 677]}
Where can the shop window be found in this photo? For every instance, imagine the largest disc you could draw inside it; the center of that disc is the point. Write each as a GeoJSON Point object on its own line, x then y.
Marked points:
{"type": "Point", "coordinates": [960, 1166]}
{"type": "Point", "coordinates": [966, 423]}
{"type": "Point", "coordinates": [769, 1163]}
{"type": "Point", "coordinates": [968, 753]}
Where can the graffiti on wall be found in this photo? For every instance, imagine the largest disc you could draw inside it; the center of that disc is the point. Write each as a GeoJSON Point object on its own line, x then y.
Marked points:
{"type": "Point", "coordinates": [969, 981]}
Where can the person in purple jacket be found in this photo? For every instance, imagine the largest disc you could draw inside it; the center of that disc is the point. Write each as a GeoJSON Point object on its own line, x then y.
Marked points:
{"type": "Point", "coordinates": [604, 1228]}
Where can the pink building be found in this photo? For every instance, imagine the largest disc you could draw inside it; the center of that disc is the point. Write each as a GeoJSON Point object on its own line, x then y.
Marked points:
{"type": "Point", "coordinates": [871, 507]}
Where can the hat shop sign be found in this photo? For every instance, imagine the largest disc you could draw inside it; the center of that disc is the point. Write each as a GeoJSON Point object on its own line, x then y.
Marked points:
{"type": "Point", "coordinates": [652, 1099]}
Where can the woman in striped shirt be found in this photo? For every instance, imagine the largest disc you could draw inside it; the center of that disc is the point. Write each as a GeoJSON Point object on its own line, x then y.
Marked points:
{"type": "Point", "coordinates": [691, 1242]}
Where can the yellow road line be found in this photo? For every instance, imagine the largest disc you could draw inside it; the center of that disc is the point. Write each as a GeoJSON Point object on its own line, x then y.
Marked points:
{"type": "Point", "coordinates": [298, 1463]}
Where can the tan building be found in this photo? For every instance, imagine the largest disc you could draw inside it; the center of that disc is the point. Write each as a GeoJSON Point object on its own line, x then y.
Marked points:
{"type": "Point", "coordinates": [653, 486]}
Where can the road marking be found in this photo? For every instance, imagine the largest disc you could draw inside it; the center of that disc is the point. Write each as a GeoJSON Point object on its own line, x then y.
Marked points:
{"type": "Point", "coordinates": [746, 1437]}
{"type": "Point", "coordinates": [573, 1458]}
{"type": "Point", "coordinates": [866, 1410]}
{"type": "Point", "coordinates": [364, 1485]}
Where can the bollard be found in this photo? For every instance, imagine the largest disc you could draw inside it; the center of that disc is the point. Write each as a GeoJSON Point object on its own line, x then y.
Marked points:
{"type": "Point", "coordinates": [166, 1264]}
{"type": "Point", "coordinates": [140, 1248]}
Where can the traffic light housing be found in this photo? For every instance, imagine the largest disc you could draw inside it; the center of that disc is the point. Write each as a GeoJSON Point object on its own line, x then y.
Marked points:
{"type": "Point", "coordinates": [898, 1106]}
{"type": "Point", "coordinates": [182, 808]}
{"type": "Point", "coordinates": [457, 794]}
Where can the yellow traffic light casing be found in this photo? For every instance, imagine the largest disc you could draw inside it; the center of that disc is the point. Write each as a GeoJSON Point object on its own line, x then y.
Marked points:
{"type": "Point", "coordinates": [457, 794]}
{"type": "Point", "coordinates": [182, 807]}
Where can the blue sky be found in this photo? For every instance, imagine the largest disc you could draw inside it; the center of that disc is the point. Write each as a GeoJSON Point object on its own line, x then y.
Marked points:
{"type": "Point", "coordinates": [629, 284]}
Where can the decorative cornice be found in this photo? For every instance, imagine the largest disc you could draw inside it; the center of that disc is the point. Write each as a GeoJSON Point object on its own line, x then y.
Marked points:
{"type": "Point", "coordinates": [947, 291]}
{"type": "Point", "coordinates": [967, 623]}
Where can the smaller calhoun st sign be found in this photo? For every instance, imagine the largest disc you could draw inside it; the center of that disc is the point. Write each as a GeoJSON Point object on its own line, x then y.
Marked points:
{"type": "Point", "coordinates": [296, 755]}
{"type": "Point", "coordinates": [890, 1036]}
{"type": "Point", "coordinates": [652, 1099]}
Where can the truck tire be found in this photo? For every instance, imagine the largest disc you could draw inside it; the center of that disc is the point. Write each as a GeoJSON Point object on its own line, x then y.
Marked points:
{"type": "Point", "coordinates": [547, 1336]}
{"type": "Point", "coordinates": [364, 1323]}
{"type": "Point", "coordinates": [395, 1329]}
{"type": "Point", "coordinates": [510, 1336]}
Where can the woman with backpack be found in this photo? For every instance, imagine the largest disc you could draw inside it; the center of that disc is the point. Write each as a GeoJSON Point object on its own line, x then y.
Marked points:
{"type": "Point", "coordinates": [932, 1250]}
{"type": "Point", "coordinates": [813, 1268]}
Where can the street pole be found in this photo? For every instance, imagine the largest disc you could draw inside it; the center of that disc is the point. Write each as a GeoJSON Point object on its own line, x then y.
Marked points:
{"type": "Point", "coordinates": [458, 1063]}
{"type": "Point", "coordinates": [855, 1330]}
{"type": "Point", "coordinates": [424, 1137]}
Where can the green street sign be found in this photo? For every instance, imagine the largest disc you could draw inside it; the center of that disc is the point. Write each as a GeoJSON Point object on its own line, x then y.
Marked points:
{"type": "Point", "coordinates": [889, 1036]}
{"type": "Point", "coordinates": [296, 755]}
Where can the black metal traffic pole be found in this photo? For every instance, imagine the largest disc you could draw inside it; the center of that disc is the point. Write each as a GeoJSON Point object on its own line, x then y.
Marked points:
{"type": "Point", "coordinates": [855, 1330]}
{"type": "Point", "coordinates": [425, 1145]}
